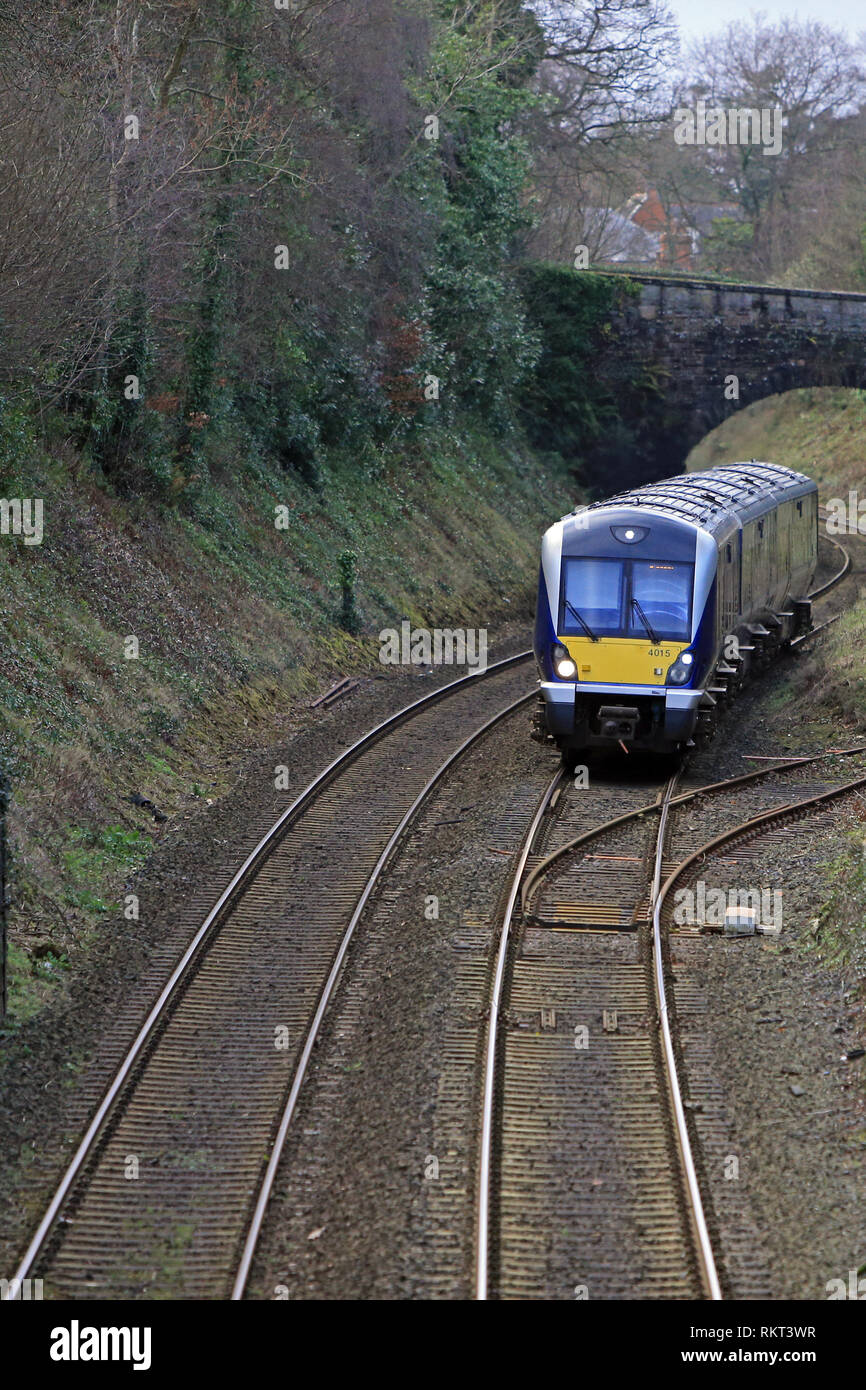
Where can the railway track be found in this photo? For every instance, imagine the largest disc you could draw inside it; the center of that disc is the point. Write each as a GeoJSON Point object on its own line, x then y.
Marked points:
{"type": "Point", "coordinates": [841, 572]}
{"type": "Point", "coordinates": [166, 1193]}
{"type": "Point", "coordinates": [772, 824]}
{"type": "Point", "coordinates": [586, 1184]}
{"type": "Point", "coordinates": [825, 588]}
{"type": "Point", "coordinates": [575, 899]}
{"type": "Point", "coordinates": [732, 851]}
{"type": "Point", "coordinates": [596, 1171]}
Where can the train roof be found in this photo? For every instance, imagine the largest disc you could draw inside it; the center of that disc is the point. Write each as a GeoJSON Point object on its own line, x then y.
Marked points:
{"type": "Point", "coordinates": [710, 499]}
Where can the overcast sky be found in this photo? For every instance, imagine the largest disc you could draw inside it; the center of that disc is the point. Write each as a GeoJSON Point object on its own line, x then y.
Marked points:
{"type": "Point", "coordinates": [697, 17]}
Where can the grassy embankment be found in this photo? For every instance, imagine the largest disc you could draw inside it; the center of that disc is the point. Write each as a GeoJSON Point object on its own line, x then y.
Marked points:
{"type": "Point", "coordinates": [821, 433]}
{"type": "Point", "coordinates": [236, 623]}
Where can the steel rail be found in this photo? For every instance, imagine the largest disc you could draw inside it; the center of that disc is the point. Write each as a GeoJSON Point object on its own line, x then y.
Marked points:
{"type": "Point", "coordinates": [837, 578]}
{"type": "Point", "coordinates": [757, 824]}
{"type": "Point", "coordinates": [813, 631]}
{"type": "Point", "coordinates": [238, 881]}
{"type": "Point", "coordinates": [489, 1083]}
{"type": "Point", "coordinates": [542, 868]}
{"type": "Point", "coordinates": [328, 989]}
{"type": "Point", "coordinates": [703, 1244]}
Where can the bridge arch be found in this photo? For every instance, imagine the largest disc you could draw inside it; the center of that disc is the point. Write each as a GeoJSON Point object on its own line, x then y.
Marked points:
{"type": "Point", "coordinates": [686, 339]}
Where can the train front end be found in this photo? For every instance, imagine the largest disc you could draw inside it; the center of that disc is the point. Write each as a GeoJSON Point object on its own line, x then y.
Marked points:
{"type": "Point", "coordinates": [625, 629]}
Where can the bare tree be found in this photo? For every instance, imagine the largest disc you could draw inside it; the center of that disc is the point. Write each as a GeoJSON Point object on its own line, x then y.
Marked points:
{"type": "Point", "coordinates": [814, 75]}
{"type": "Point", "coordinates": [604, 78]}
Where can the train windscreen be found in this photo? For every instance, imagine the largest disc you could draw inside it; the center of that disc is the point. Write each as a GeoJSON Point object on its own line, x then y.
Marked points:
{"type": "Point", "coordinates": [626, 598]}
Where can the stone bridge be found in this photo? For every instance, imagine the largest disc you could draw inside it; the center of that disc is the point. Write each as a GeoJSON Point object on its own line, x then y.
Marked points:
{"type": "Point", "coordinates": [686, 339]}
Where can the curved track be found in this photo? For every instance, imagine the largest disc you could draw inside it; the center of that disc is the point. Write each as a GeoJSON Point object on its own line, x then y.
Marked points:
{"type": "Point", "coordinates": [775, 818]}
{"type": "Point", "coordinates": [167, 1189]}
{"type": "Point", "coordinates": [579, 947]}
{"type": "Point", "coordinates": [839, 575]}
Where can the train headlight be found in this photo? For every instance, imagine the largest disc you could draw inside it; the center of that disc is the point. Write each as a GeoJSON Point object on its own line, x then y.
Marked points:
{"type": "Point", "coordinates": [681, 670]}
{"type": "Point", "coordinates": [629, 535]}
{"type": "Point", "coordinates": [563, 665]}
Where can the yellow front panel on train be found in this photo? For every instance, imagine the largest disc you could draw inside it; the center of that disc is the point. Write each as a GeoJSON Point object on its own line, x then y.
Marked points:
{"type": "Point", "coordinates": [622, 660]}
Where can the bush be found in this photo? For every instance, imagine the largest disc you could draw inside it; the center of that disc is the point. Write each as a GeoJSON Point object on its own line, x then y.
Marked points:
{"type": "Point", "coordinates": [565, 407]}
{"type": "Point", "coordinates": [18, 443]}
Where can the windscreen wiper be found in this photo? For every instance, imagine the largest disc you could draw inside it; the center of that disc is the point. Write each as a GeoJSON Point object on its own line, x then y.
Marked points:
{"type": "Point", "coordinates": [646, 622]}
{"type": "Point", "coordinates": [584, 624]}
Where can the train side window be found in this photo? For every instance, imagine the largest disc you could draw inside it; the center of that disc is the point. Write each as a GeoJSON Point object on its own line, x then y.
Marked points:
{"type": "Point", "coordinates": [761, 529]}
{"type": "Point", "coordinates": [730, 552]}
{"type": "Point", "coordinates": [800, 507]}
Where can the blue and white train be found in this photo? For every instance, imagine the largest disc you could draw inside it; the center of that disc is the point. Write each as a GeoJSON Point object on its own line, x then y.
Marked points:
{"type": "Point", "coordinates": [654, 605]}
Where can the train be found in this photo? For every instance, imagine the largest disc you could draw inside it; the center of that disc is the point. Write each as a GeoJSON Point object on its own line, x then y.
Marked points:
{"type": "Point", "coordinates": [655, 605]}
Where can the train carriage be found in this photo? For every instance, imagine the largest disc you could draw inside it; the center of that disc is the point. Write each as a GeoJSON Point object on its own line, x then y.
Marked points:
{"type": "Point", "coordinates": [653, 606]}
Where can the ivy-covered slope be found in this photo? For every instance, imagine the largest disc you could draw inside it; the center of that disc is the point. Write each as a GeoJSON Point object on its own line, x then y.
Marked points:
{"type": "Point", "coordinates": [234, 622]}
